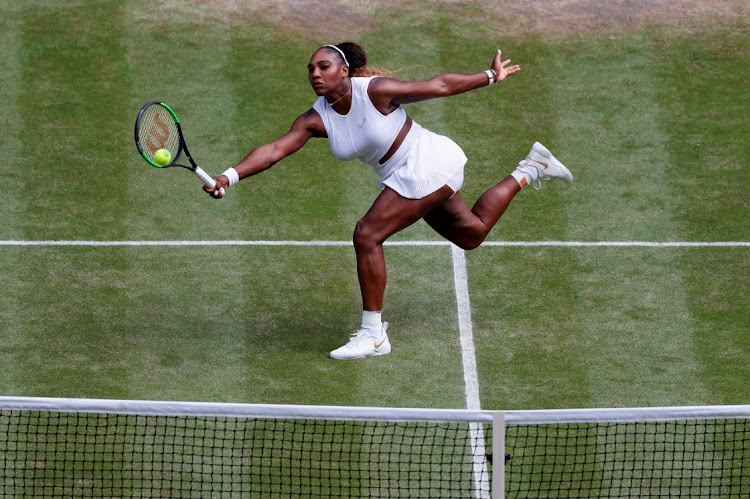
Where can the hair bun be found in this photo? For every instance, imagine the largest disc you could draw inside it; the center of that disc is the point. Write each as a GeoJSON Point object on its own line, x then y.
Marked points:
{"type": "Point", "coordinates": [355, 55]}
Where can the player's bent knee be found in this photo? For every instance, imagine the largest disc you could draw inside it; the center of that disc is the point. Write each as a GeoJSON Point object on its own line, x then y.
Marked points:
{"type": "Point", "coordinates": [364, 238]}
{"type": "Point", "coordinates": [469, 244]}
{"type": "Point", "coordinates": [469, 238]}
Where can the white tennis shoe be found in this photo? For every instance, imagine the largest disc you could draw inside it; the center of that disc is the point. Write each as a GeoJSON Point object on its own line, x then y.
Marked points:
{"type": "Point", "coordinates": [363, 344]}
{"type": "Point", "coordinates": [542, 165]}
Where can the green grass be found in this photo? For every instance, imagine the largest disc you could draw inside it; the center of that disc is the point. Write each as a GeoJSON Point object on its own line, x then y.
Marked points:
{"type": "Point", "coordinates": [598, 336]}
{"type": "Point", "coordinates": [652, 123]}
{"type": "Point", "coordinates": [119, 323]}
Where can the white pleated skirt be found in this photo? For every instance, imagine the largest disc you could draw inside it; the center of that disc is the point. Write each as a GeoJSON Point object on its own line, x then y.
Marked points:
{"type": "Point", "coordinates": [423, 163]}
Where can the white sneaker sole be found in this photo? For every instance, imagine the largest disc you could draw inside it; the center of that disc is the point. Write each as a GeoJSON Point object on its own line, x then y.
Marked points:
{"type": "Point", "coordinates": [384, 349]}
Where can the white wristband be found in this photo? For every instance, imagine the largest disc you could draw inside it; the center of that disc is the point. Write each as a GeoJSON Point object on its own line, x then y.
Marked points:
{"type": "Point", "coordinates": [232, 175]}
{"type": "Point", "coordinates": [491, 76]}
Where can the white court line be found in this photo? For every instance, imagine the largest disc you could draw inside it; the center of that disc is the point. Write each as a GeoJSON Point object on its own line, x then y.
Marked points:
{"type": "Point", "coordinates": [635, 244]}
{"type": "Point", "coordinates": [566, 244]}
{"type": "Point", "coordinates": [461, 280]}
{"type": "Point", "coordinates": [471, 378]}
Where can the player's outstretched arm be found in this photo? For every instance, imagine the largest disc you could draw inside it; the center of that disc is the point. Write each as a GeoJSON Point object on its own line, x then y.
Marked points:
{"type": "Point", "coordinates": [388, 93]}
{"type": "Point", "coordinates": [305, 127]}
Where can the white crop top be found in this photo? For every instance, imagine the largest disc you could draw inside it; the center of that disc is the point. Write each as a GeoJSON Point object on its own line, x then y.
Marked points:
{"type": "Point", "coordinates": [363, 133]}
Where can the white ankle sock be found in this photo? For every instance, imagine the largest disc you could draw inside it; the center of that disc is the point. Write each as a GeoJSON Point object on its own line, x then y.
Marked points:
{"type": "Point", "coordinates": [522, 178]}
{"type": "Point", "coordinates": [371, 320]}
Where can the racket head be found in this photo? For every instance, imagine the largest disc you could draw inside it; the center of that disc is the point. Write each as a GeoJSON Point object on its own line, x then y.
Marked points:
{"type": "Point", "coordinates": [157, 127]}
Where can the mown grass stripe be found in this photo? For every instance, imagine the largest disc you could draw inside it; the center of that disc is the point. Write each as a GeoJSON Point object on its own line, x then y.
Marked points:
{"type": "Point", "coordinates": [11, 62]}
{"type": "Point", "coordinates": [11, 202]}
{"type": "Point", "coordinates": [707, 143]}
{"type": "Point", "coordinates": [72, 81]}
{"type": "Point", "coordinates": [629, 167]}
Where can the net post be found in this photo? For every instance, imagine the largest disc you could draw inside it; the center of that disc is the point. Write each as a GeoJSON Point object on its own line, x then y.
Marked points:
{"type": "Point", "coordinates": [498, 455]}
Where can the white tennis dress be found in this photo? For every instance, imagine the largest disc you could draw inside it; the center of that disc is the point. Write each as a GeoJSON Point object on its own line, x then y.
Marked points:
{"type": "Point", "coordinates": [423, 163]}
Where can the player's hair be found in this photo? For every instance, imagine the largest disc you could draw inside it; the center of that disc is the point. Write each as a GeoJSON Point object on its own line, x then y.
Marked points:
{"type": "Point", "coordinates": [357, 59]}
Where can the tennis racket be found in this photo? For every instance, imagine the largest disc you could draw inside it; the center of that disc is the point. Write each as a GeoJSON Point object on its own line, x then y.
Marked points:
{"type": "Point", "coordinates": [157, 127]}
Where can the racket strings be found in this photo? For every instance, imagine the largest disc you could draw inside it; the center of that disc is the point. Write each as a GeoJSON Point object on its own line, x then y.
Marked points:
{"type": "Point", "coordinates": [157, 130]}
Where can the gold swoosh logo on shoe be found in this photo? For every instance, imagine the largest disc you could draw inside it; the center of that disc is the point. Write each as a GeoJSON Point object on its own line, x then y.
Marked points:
{"type": "Point", "coordinates": [545, 165]}
{"type": "Point", "coordinates": [378, 345]}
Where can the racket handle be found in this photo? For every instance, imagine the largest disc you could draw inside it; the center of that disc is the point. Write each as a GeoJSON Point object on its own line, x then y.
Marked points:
{"type": "Point", "coordinates": [205, 177]}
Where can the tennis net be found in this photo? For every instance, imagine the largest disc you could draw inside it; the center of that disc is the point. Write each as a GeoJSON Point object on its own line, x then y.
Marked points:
{"type": "Point", "coordinates": [643, 452]}
{"type": "Point", "coordinates": [111, 448]}
{"type": "Point", "coordinates": [103, 448]}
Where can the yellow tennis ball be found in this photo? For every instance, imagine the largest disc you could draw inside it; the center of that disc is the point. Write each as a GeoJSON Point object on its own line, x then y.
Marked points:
{"type": "Point", "coordinates": [162, 157]}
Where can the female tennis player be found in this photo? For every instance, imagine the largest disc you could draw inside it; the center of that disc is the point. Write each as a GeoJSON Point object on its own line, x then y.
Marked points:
{"type": "Point", "coordinates": [420, 172]}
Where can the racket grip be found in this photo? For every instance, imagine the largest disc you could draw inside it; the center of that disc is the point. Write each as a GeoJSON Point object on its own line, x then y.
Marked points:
{"type": "Point", "coordinates": [205, 177]}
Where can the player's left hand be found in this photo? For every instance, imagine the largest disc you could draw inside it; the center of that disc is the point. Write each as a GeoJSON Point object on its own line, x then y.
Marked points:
{"type": "Point", "coordinates": [501, 67]}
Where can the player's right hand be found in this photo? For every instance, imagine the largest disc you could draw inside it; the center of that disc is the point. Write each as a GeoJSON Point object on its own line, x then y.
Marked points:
{"type": "Point", "coordinates": [222, 184]}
